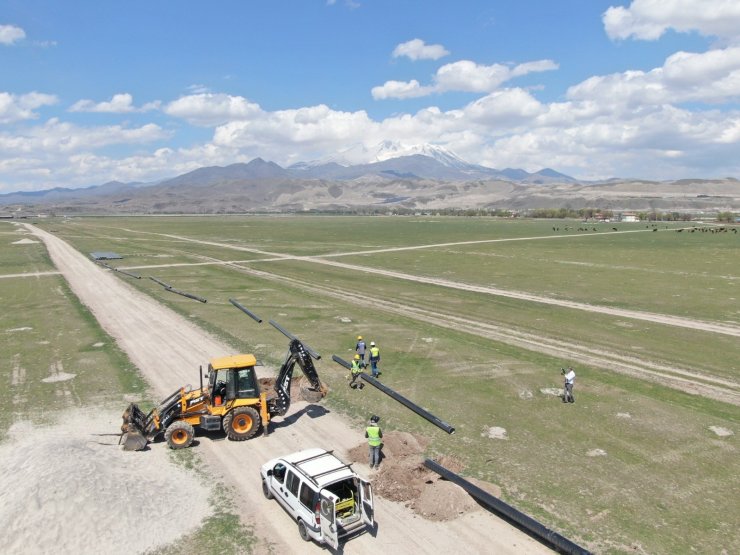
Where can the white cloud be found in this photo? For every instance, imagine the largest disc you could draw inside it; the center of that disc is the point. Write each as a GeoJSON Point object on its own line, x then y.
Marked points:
{"type": "Point", "coordinates": [508, 108]}
{"type": "Point", "coordinates": [711, 77]}
{"type": "Point", "coordinates": [10, 34]}
{"type": "Point", "coordinates": [21, 107]}
{"type": "Point", "coordinates": [209, 109]}
{"type": "Point", "coordinates": [417, 49]}
{"type": "Point", "coordinates": [400, 89]}
{"type": "Point", "coordinates": [462, 75]}
{"type": "Point", "coordinates": [57, 136]}
{"type": "Point", "coordinates": [122, 103]}
{"type": "Point", "coordinates": [649, 19]}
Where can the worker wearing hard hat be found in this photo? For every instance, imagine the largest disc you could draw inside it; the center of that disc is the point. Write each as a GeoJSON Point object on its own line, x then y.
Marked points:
{"type": "Point", "coordinates": [356, 370]}
{"type": "Point", "coordinates": [374, 359]}
{"type": "Point", "coordinates": [360, 347]}
{"type": "Point", "coordinates": [374, 436]}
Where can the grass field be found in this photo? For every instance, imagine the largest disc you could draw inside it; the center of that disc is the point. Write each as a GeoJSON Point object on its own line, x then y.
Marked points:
{"type": "Point", "coordinates": [637, 464]}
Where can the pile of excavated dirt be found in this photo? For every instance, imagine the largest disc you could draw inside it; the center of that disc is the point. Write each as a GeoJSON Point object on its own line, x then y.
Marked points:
{"type": "Point", "coordinates": [404, 478]}
{"type": "Point", "coordinates": [71, 489]}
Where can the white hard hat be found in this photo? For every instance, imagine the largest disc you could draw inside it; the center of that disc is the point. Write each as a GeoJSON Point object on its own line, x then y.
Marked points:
{"type": "Point", "coordinates": [372, 343]}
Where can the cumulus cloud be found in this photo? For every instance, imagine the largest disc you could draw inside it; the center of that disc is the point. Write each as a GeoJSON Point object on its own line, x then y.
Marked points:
{"type": "Point", "coordinates": [463, 75]}
{"type": "Point", "coordinates": [400, 89]}
{"type": "Point", "coordinates": [650, 19]}
{"type": "Point", "coordinates": [119, 104]}
{"type": "Point", "coordinates": [22, 107]}
{"type": "Point", "coordinates": [211, 109]}
{"type": "Point", "coordinates": [710, 77]}
{"type": "Point", "coordinates": [59, 136]}
{"type": "Point", "coordinates": [417, 49]}
{"type": "Point", "coordinates": [10, 34]}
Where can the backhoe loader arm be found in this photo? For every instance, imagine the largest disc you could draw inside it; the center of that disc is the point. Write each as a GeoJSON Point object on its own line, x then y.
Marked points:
{"type": "Point", "coordinates": [297, 354]}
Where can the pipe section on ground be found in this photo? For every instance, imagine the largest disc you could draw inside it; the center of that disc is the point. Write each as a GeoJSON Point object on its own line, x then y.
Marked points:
{"type": "Point", "coordinates": [188, 295]}
{"type": "Point", "coordinates": [171, 289]}
{"type": "Point", "coordinates": [400, 398]}
{"type": "Point", "coordinates": [549, 537]}
{"type": "Point", "coordinates": [246, 311]}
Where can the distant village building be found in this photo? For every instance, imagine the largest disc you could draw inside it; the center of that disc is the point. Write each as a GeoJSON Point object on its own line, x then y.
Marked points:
{"type": "Point", "coordinates": [630, 217]}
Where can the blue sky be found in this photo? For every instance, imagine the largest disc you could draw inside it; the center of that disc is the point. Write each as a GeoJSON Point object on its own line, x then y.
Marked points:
{"type": "Point", "coordinates": [95, 91]}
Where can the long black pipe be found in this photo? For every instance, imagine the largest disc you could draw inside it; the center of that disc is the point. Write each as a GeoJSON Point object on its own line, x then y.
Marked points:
{"type": "Point", "coordinates": [119, 271]}
{"type": "Point", "coordinates": [292, 337]}
{"type": "Point", "coordinates": [549, 537]}
{"type": "Point", "coordinates": [188, 295]}
{"type": "Point", "coordinates": [246, 311]}
{"type": "Point", "coordinates": [127, 273]}
{"type": "Point", "coordinates": [168, 287]}
{"type": "Point", "coordinates": [163, 284]}
{"type": "Point", "coordinates": [400, 398]}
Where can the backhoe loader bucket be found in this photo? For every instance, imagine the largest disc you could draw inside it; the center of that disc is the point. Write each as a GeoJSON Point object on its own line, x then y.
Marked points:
{"type": "Point", "coordinates": [133, 429]}
{"type": "Point", "coordinates": [311, 395]}
{"type": "Point", "coordinates": [133, 441]}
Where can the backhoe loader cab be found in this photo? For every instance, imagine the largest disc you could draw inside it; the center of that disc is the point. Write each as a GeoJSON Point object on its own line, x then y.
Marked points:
{"type": "Point", "coordinates": [230, 400]}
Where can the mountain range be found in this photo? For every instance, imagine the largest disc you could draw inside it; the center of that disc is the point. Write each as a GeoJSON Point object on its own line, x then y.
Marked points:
{"type": "Point", "coordinates": [390, 175]}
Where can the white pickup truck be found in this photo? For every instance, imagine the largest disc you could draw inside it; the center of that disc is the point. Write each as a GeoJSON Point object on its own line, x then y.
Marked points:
{"type": "Point", "coordinates": [327, 499]}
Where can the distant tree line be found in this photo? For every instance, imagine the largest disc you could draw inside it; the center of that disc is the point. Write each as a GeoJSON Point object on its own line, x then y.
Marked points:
{"type": "Point", "coordinates": [545, 213]}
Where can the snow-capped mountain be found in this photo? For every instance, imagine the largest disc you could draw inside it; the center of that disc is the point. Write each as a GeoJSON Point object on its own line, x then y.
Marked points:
{"type": "Point", "coordinates": [359, 154]}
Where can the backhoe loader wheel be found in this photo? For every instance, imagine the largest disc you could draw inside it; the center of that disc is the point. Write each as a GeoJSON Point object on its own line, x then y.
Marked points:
{"type": "Point", "coordinates": [179, 435]}
{"type": "Point", "coordinates": [241, 423]}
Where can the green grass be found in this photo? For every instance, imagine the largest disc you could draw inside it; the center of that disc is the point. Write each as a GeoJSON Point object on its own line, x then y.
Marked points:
{"type": "Point", "coordinates": [662, 483]}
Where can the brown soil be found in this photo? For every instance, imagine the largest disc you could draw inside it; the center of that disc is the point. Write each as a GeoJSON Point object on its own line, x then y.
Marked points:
{"type": "Point", "coordinates": [404, 478]}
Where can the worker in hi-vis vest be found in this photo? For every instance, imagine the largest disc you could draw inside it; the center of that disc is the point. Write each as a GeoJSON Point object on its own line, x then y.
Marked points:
{"type": "Point", "coordinates": [356, 370]}
{"type": "Point", "coordinates": [374, 436]}
{"type": "Point", "coordinates": [374, 359]}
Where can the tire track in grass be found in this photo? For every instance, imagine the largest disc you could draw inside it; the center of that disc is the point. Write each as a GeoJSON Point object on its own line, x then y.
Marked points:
{"type": "Point", "coordinates": [665, 319]}
{"type": "Point", "coordinates": [678, 378]}
{"type": "Point", "coordinates": [681, 379]}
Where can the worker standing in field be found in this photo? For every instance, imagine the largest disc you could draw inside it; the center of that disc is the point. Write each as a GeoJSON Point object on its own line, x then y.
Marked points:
{"type": "Point", "coordinates": [356, 370]}
{"type": "Point", "coordinates": [374, 436]}
{"type": "Point", "coordinates": [570, 378]}
{"type": "Point", "coordinates": [360, 347]}
{"type": "Point", "coordinates": [374, 359]}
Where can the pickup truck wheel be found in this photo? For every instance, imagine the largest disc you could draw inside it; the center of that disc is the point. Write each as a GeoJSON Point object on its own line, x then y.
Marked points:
{"type": "Point", "coordinates": [303, 531]}
{"type": "Point", "coordinates": [266, 490]}
{"type": "Point", "coordinates": [241, 423]}
{"type": "Point", "coordinates": [179, 435]}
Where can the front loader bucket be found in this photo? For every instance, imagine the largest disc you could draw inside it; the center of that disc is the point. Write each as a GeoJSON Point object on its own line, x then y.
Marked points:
{"type": "Point", "coordinates": [311, 395]}
{"type": "Point", "coordinates": [133, 441]}
{"type": "Point", "coordinates": [133, 429]}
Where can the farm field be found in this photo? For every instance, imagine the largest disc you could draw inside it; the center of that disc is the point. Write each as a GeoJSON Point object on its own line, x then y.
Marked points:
{"type": "Point", "coordinates": [475, 318]}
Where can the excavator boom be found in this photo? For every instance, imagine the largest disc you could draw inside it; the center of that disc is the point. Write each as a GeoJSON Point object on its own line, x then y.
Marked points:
{"type": "Point", "coordinates": [313, 393]}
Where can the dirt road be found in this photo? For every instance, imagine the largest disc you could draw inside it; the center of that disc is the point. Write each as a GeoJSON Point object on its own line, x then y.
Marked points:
{"type": "Point", "coordinates": [168, 349]}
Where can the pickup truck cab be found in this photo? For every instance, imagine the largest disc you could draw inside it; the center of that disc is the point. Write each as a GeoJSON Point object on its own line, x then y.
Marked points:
{"type": "Point", "coordinates": [327, 499]}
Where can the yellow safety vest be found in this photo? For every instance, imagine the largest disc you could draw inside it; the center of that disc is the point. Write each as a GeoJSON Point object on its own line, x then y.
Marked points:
{"type": "Point", "coordinates": [373, 435]}
{"type": "Point", "coordinates": [374, 353]}
{"type": "Point", "coordinates": [356, 369]}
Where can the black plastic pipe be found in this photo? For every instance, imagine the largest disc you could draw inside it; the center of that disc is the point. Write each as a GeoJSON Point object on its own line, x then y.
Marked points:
{"type": "Point", "coordinates": [400, 398]}
{"type": "Point", "coordinates": [188, 295]}
{"type": "Point", "coordinates": [292, 337]}
{"type": "Point", "coordinates": [246, 311]}
{"type": "Point", "coordinates": [163, 284]}
{"type": "Point", "coordinates": [540, 531]}
{"type": "Point", "coordinates": [127, 273]}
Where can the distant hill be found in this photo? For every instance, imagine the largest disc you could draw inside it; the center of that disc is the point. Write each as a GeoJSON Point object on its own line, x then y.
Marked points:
{"type": "Point", "coordinates": [419, 178]}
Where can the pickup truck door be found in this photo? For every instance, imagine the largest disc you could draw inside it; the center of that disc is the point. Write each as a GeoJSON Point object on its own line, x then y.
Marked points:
{"type": "Point", "coordinates": [366, 502]}
{"type": "Point", "coordinates": [329, 529]}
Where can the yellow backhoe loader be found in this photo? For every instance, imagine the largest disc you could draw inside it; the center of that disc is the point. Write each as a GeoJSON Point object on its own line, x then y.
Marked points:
{"type": "Point", "coordinates": [230, 401]}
